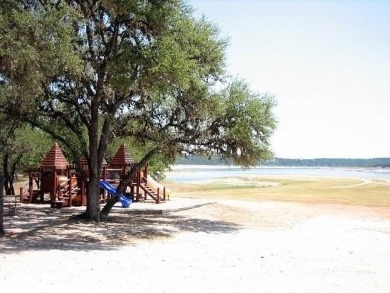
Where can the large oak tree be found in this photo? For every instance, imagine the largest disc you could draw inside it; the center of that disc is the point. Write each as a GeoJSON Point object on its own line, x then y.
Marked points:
{"type": "Point", "coordinates": [90, 71]}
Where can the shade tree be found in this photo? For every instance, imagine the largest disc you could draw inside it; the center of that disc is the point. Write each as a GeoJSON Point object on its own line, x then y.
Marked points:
{"type": "Point", "coordinates": [91, 72]}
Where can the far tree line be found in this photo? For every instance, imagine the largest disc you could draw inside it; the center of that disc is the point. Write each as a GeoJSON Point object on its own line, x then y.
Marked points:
{"type": "Point", "coordinates": [285, 162]}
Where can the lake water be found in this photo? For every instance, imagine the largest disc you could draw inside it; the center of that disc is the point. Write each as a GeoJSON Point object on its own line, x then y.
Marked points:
{"type": "Point", "coordinates": [185, 173]}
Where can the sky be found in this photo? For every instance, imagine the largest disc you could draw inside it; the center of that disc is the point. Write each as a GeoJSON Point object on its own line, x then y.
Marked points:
{"type": "Point", "coordinates": [326, 62]}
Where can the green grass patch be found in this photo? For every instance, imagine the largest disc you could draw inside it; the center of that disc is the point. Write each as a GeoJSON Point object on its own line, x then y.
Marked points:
{"type": "Point", "coordinates": [304, 189]}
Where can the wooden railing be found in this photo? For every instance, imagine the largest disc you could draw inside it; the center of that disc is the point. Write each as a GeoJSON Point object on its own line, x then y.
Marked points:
{"type": "Point", "coordinates": [67, 192]}
{"type": "Point", "coordinates": [154, 194]}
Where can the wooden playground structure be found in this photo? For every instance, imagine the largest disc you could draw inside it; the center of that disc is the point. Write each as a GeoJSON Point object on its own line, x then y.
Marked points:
{"type": "Point", "coordinates": [59, 183]}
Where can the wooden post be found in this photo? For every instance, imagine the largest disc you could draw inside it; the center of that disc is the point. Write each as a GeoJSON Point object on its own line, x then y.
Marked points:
{"type": "Point", "coordinates": [83, 187]}
{"type": "Point", "coordinates": [104, 173]}
{"type": "Point", "coordinates": [30, 186]}
{"type": "Point", "coordinates": [68, 175]}
{"type": "Point", "coordinates": [40, 192]}
{"type": "Point", "coordinates": [138, 180]}
{"type": "Point", "coordinates": [70, 191]}
{"type": "Point", "coordinates": [21, 192]}
{"type": "Point", "coordinates": [158, 194]}
{"type": "Point", "coordinates": [83, 193]}
{"type": "Point", "coordinates": [53, 192]}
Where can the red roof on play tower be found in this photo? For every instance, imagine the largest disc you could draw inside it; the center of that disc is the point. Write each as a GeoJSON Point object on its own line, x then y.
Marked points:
{"type": "Point", "coordinates": [54, 158]}
{"type": "Point", "coordinates": [122, 157]}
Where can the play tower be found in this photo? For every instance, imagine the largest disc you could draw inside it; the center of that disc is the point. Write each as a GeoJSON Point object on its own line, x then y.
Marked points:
{"type": "Point", "coordinates": [55, 181]}
{"type": "Point", "coordinates": [143, 187]}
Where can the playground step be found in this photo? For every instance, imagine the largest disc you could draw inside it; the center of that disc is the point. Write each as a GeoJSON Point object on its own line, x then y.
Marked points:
{"type": "Point", "coordinates": [148, 189]}
{"type": "Point", "coordinates": [150, 192]}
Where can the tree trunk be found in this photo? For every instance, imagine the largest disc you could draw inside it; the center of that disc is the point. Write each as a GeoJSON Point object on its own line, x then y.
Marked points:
{"type": "Point", "coordinates": [12, 174]}
{"type": "Point", "coordinates": [119, 191]}
{"type": "Point", "coordinates": [93, 199]}
{"type": "Point", "coordinates": [2, 232]}
{"type": "Point", "coordinates": [108, 206]}
{"type": "Point", "coordinates": [95, 165]}
{"type": "Point", "coordinates": [9, 173]}
{"type": "Point", "coordinates": [125, 181]}
{"type": "Point", "coordinates": [9, 184]}
{"type": "Point", "coordinates": [6, 174]}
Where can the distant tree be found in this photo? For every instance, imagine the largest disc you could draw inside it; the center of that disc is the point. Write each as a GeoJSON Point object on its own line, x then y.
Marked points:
{"type": "Point", "coordinates": [330, 162]}
{"type": "Point", "coordinates": [89, 72]}
{"type": "Point", "coordinates": [20, 146]}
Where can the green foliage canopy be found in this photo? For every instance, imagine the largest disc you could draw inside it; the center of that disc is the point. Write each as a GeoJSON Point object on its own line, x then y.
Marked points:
{"type": "Point", "coordinates": [92, 72]}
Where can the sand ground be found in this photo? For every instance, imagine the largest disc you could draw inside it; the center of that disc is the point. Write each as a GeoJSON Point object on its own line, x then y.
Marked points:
{"type": "Point", "coordinates": [199, 245]}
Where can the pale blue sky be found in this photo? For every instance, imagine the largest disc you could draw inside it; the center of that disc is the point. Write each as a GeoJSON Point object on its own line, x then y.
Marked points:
{"type": "Point", "coordinates": [327, 63]}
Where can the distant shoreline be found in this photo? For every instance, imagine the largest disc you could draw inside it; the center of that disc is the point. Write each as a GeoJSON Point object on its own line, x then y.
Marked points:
{"type": "Point", "coordinates": [297, 163]}
{"type": "Point", "coordinates": [191, 173]}
{"type": "Point", "coordinates": [220, 166]}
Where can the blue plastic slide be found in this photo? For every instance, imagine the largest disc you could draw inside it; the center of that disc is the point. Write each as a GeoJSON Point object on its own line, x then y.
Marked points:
{"type": "Point", "coordinates": [112, 190]}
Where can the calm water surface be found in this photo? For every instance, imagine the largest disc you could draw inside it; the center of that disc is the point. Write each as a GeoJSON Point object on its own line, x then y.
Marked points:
{"type": "Point", "coordinates": [187, 173]}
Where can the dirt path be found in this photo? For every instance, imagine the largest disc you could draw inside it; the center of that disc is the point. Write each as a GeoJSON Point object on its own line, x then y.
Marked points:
{"type": "Point", "coordinates": [223, 246]}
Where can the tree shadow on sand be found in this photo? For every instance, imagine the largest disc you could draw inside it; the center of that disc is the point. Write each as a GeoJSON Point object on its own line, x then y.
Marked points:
{"type": "Point", "coordinates": [44, 228]}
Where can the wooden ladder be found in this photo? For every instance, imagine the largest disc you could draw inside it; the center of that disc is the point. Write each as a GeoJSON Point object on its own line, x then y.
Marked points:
{"type": "Point", "coordinates": [150, 192]}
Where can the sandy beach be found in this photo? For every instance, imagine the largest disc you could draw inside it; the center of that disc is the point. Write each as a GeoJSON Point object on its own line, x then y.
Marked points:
{"type": "Point", "coordinates": [200, 245]}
